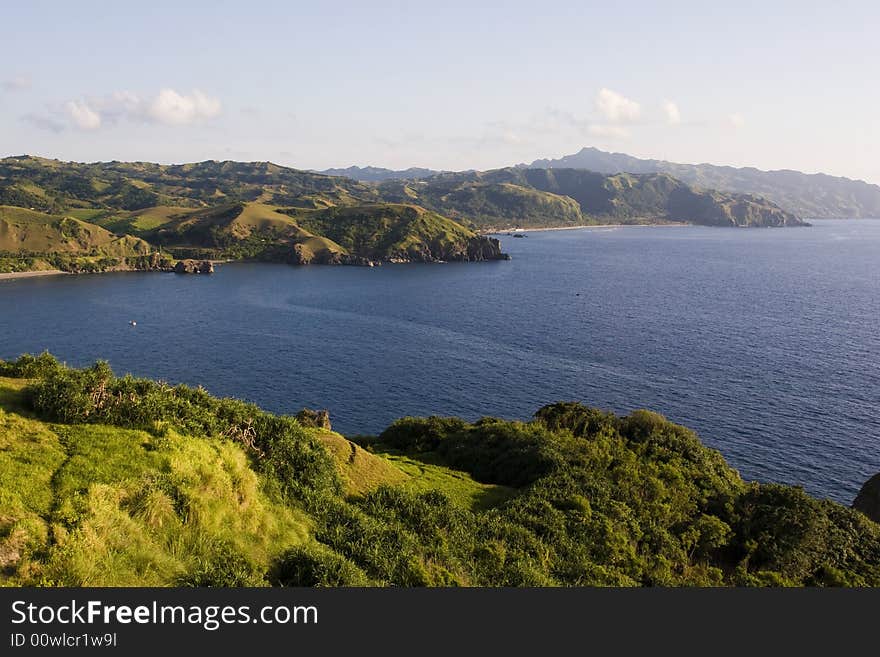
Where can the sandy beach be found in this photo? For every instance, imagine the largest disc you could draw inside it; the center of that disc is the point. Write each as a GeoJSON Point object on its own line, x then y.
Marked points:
{"type": "Point", "coordinates": [30, 274]}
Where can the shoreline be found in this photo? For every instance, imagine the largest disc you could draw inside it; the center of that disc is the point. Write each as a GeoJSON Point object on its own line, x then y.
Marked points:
{"type": "Point", "coordinates": [12, 275]}
{"type": "Point", "coordinates": [514, 231]}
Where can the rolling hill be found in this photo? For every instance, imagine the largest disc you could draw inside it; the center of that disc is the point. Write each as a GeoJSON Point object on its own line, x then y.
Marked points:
{"type": "Point", "coordinates": [139, 185]}
{"type": "Point", "coordinates": [400, 233]}
{"type": "Point", "coordinates": [482, 200]}
{"type": "Point", "coordinates": [122, 215]}
{"type": "Point", "coordinates": [108, 481]}
{"type": "Point", "coordinates": [34, 232]}
{"type": "Point", "coordinates": [504, 198]}
{"type": "Point", "coordinates": [808, 195]}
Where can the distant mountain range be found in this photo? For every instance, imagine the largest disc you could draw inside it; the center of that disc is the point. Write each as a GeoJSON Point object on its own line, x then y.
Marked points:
{"type": "Point", "coordinates": [815, 195]}
{"type": "Point", "coordinates": [512, 197]}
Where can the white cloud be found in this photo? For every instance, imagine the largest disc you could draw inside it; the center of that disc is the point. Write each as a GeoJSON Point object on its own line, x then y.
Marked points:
{"type": "Point", "coordinates": [608, 131]}
{"type": "Point", "coordinates": [673, 115]}
{"type": "Point", "coordinates": [736, 120]}
{"type": "Point", "coordinates": [168, 107]}
{"type": "Point", "coordinates": [172, 108]}
{"type": "Point", "coordinates": [82, 116]}
{"type": "Point", "coordinates": [617, 108]}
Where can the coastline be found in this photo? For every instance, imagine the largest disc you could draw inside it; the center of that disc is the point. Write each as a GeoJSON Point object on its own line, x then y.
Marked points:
{"type": "Point", "coordinates": [505, 231]}
{"type": "Point", "coordinates": [12, 275]}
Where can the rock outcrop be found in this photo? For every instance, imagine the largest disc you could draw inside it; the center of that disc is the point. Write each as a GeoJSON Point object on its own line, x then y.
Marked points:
{"type": "Point", "coordinates": [485, 248]}
{"type": "Point", "coordinates": [300, 254]}
{"type": "Point", "coordinates": [478, 248]}
{"type": "Point", "coordinates": [194, 267]}
{"type": "Point", "coordinates": [868, 499]}
{"type": "Point", "coordinates": [316, 419]}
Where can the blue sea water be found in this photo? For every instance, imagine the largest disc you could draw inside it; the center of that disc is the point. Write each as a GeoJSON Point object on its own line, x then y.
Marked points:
{"type": "Point", "coordinates": [765, 342]}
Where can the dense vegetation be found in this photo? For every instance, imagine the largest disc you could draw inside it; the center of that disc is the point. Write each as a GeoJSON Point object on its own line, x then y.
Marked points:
{"type": "Point", "coordinates": [108, 480]}
{"type": "Point", "coordinates": [214, 205]}
{"type": "Point", "coordinates": [807, 195]}
{"type": "Point", "coordinates": [211, 210]}
{"type": "Point", "coordinates": [32, 241]}
{"type": "Point", "coordinates": [540, 197]}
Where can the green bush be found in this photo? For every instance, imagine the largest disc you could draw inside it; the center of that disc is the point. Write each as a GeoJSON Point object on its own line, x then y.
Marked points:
{"type": "Point", "coordinates": [598, 500]}
{"type": "Point", "coordinates": [282, 448]}
{"type": "Point", "coordinates": [223, 567]}
{"type": "Point", "coordinates": [312, 566]}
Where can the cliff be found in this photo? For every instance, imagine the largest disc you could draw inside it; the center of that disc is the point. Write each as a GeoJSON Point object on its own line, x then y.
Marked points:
{"type": "Point", "coordinates": [868, 499]}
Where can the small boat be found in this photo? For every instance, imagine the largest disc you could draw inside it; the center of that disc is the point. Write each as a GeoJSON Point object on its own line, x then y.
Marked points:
{"type": "Point", "coordinates": [133, 323]}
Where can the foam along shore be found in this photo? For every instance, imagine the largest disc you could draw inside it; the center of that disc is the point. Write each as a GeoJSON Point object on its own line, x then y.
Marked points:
{"type": "Point", "coordinates": [30, 274]}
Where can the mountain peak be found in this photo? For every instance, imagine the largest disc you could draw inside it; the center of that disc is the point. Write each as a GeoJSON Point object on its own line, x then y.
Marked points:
{"type": "Point", "coordinates": [814, 195]}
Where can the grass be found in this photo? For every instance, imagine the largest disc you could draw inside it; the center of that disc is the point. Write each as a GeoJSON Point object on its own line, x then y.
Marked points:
{"type": "Point", "coordinates": [141, 221]}
{"type": "Point", "coordinates": [98, 505]}
{"type": "Point", "coordinates": [461, 488]}
{"type": "Point", "coordinates": [361, 471]}
{"type": "Point", "coordinates": [103, 506]}
{"type": "Point", "coordinates": [30, 231]}
{"type": "Point", "coordinates": [87, 214]}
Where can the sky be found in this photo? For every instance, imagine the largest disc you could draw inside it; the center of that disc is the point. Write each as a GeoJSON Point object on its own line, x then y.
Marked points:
{"type": "Point", "coordinates": [445, 85]}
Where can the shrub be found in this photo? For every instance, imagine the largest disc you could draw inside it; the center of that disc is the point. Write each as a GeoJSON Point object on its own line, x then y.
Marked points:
{"type": "Point", "coordinates": [315, 566]}
{"type": "Point", "coordinates": [223, 566]}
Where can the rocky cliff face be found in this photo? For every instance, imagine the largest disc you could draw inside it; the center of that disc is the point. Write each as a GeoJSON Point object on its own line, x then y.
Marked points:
{"type": "Point", "coordinates": [484, 248]}
{"type": "Point", "coordinates": [868, 499]}
{"type": "Point", "coordinates": [478, 248]}
{"type": "Point", "coordinates": [194, 267]}
{"type": "Point", "coordinates": [302, 255]}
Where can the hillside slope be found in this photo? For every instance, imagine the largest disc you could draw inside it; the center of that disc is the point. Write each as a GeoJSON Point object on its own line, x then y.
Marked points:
{"type": "Point", "coordinates": [137, 185]}
{"type": "Point", "coordinates": [115, 192]}
{"type": "Point", "coordinates": [511, 197]}
{"type": "Point", "coordinates": [807, 195]}
{"type": "Point", "coordinates": [400, 233]}
{"type": "Point", "coordinates": [119, 481]}
{"type": "Point", "coordinates": [35, 232]}
{"type": "Point", "coordinates": [34, 241]}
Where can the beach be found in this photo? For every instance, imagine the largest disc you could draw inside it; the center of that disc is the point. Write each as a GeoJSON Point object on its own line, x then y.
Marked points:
{"type": "Point", "coordinates": [30, 274]}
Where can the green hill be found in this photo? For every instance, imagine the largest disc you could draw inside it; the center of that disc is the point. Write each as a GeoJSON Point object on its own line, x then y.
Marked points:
{"type": "Point", "coordinates": [505, 198]}
{"type": "Point", "coordinates": [139, 196]}
{"type": "Point", "coordinates": [808, 195]}
{"type": "Point", "coordinates": [399, 232]}
{"type": "Point", "coordinates": [110, 481]}
{"type": "Point", "coordinates": [33, 241]}
{"type": "Point", "coordinates": [225, 210]}
{"type": "Point", "coordinates": [35, 232]}
{"type": "Point", "coordinates": [134, 186]}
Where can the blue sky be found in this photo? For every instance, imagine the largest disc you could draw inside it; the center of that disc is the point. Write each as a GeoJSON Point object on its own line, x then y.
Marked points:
{"type": "Point", "coordinates": [444, 85]}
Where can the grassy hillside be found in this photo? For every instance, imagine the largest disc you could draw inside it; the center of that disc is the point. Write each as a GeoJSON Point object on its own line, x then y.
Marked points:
{"type": "Point", "coordinates": [465, 198]}
{"type": "Point", "coordinates": [807, 195]}
{"type": "Point", "coordinates": [218, 210]}
{"type": "Point", "coordinates": [510, 197]}
{"type": "Point", "coordinates": [33, 241]}
{"type": "Point", "coordinates": [35, 232]}
{"type": "Point", "coordinates": [121, 481]}
{"type": "Point", "coordinates": [138, 185]}
{"type": "Point", "coordinates": [138, 196]}
{"type": "Point", "coordinates": [399, 232]}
